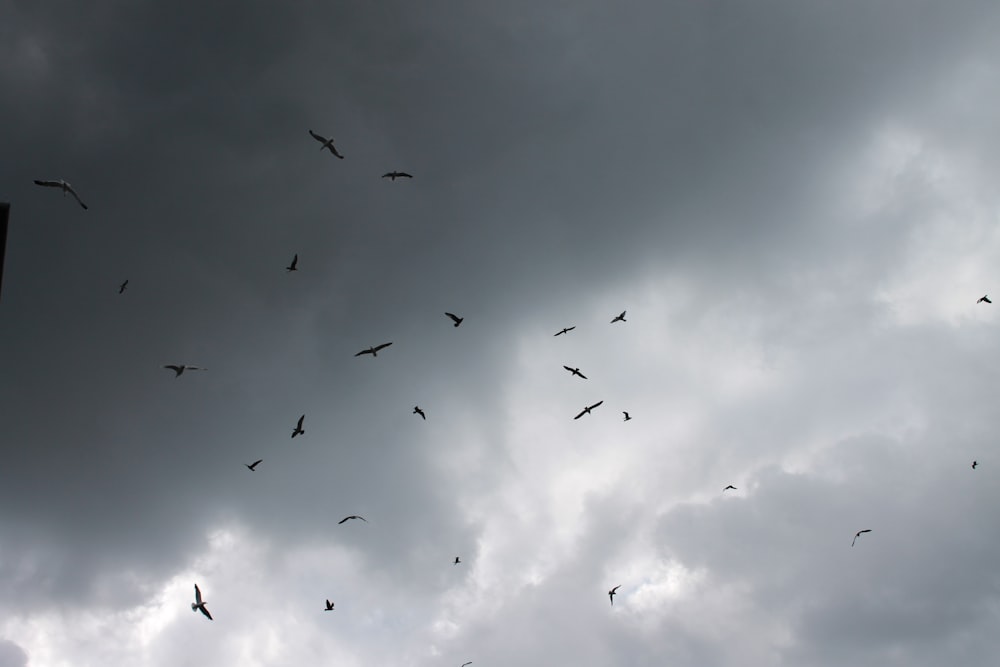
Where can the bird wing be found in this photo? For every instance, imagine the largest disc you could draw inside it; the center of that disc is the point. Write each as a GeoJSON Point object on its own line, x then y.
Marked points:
{"type": "Point", "coordinates": [582, 413]}
{"type": "Point", "coordinates": [49, 184]}
{"type": "Point", "coordinates": [568, 368]}
{"type": "Point", "coordinates": [362, 518]}
{"type": "Point", "coordinates": [581, 375]}
{"type": "Point", "coordinates": [256, 462]}
{"type": "Point", "coordinates": [197, 594]}
{"type": "Point", "coordinates": [368, 351]}
{"type": "Point", "coordinates": [346, 518]}
{"type": "Point", "coordinates": [301, 419]}
{"type": "Point", "coordinates": [389, 175]}
{"type": "Point", "coordinates": [454, 317]}
{"type": "Point", "coordinates": [205, 611]}
{"type": "Point", "coordinates": [595, 405]}
{"type": "Point", "coordinates": [383, 345]}
{"type": "Point", "coordinates": [76, 197]}
{"type": "Point", "coordinates": [176, 369]}
{"type": "Point", "coordinates": [318, 137]}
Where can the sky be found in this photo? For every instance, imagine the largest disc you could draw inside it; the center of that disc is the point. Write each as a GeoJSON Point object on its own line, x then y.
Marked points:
{"type": "Point", "coordinates": [795, 204]}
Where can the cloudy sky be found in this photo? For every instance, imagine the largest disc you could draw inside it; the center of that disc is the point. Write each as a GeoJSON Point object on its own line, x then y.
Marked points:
{"type": "Point", "coordinates": [795, 202]}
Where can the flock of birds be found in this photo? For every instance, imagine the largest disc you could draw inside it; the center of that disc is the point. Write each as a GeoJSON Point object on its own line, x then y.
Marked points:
{"type": "Point", "coordinates": [199, 603]}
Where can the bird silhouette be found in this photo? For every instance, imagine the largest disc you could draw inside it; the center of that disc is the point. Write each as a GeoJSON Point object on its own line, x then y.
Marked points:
{"type": "Point", "coordinates": [329, 606]}
{"type": "Point", "coordinates": [729, 487]}
{"type": "Point", "coordinates": [455, 318]}
{"type": "Point", "coordinates": [353, 516]}
{"type": "Point", "coordinates": [180, 368]}
{"type": "Point", "coordinates": [619, 318]}
{"type": "Point", "coordinates": [626, 416]}
{"type": "Point", "coordinates": [121, 288]}
{"type": "Point", "coordinates": [575, 371]}
{"type": "Point", "coordinates": [65, 187]}
{"type": "Point", "coordinates": [294, 265]}
{"type": "Point", "coordinates": [466, 663]}
{"type": "Point", "coordinates": [974, 464]}
{"type": "Point", "coordinates": [418, 411]}
{"type": "Point", "coordinates": [373, 350]}
{"type": "Point", "coordinates": [253, 466]}
{"type": "Point", "coordinates": [586, 411]}
{"type": "Point", "coordinates": [327, 143]}
{"type": "Point", "coordinates": [858, 534]}
{"type": "Point", "coordinates": [397, 174]}
{"type": "Point", "coordinates": [199, 604]}
{"type": "Point", "coordinates": [457, 561]}
{"type": "Point", "coordinates": [565, 330]}
{"type": "Point", "coordinates": [611, 594]}
{"type": "Point", "coordinates": [298, 427]}
{"type": "Point", "coordinates": [985, 297]}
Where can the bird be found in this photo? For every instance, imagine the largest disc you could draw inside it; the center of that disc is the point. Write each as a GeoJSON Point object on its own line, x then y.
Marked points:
{"type": "Point", "coordinates": [397, 174]}
{"type": "Point", "coordinates": [457, 561]}
{"type": "Point", "coordinates": [626, 416]}
{"type": "Point", "coordinates": [253, 465]}
{"type": "Point", "coordinates": [985, 297]}
{"type": "Point", "coordinates": [974, 464]}
{"type": "Point", "coordinates": [180, 368]}
{"type": "Point", "coordinates": [373, 350]}
{"type": "Point", "coordinates": [611, 594]}
{"type": "Point", "coordinates": [298, 427]}
{"type": "Point", "coordinates": [565, 330]}
{"type": "Point", "coordinates": [294, 265]}
{"type": "Point", "coordinates": [575, 371]}
{"type": "Point", "coordinates": [729, 487]}
{"type": "Point", "coordinates": [619, 318]}
{"type": "Point", "coordinates": [65, 187]}
{"type": "Point", "coordinates": [858, 534]}
{"type": "Point", "coordinates": [466, 663]}
{"type": "Point", "coordinates": [329, 606]}
{"type": "Point", "coordinates": [455, 318]}
{"type": "Point", "coordinates": [586, 411]}
{"type": "Point", "coordinates": [418, 411]}
{"type": "Point", "coordinates": [121, 288]}
{"type": "Point", "coordinates": [199, 604]}
{"type": "Point", "coordinates": [353, 516]}
{"type": "Point", "coordinates": [327, 143]}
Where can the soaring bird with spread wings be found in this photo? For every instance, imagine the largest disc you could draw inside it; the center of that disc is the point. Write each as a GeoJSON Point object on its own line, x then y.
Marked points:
{"type": "Point", "coordinates": [180, 368]}
{"type": "Point", "coordinates": [858, 534]}
{"type": "Point", "coordinates": [253, 466]}
{"type": "Point", "coordinates": [611, 594]}
{"type": "Point", "coordinates": [373, 350]}
{"type": "Point", "coordinates": [985, 297]}
{"type": "Point", "coordinates": [619, 318]}
{"type": "Point", "coordinates": [575, 371]}
{"type": "Point", "coordinates": [327, 143]}
{"type": "Point", "coordinates": [565, 330]}
{"type": "Point", "coordinates": [353, 516]}
{"type": "Point", "coordinates": [199, 604]}
{"type": "Point", "coordinates": [455, 318]}
{"type": "Point", "coordinates": [397, 174]}
{"type": "Point", "coordinates": [294, 266]}
{"type": "Point", "coordinates": [298, 430]}
{"type": "Point", "coordinates": [65, 187]}
{"type": "Point", "coordinates": [586, 410]}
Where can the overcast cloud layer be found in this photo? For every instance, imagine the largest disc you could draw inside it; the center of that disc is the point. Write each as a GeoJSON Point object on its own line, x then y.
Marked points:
{"type": "Point", "coordinates": [795, 202]}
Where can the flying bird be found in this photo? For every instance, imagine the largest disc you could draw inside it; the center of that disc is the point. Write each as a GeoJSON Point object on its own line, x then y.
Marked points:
{"type": "Point", "coordinates": [466, 663]}
{"type": "Point", "coordinates": [565, 330]}
{"type": "Point", "coordinates": [65, 187]}
{"type": "Point", "coordinates": [626, 416]}
{"type": "Point", "coordinates": [575, 371]}
{"type": "Point", "coordinates": [199, 604]}
{"type": "Point", "coordinates": [253, 466]}
{"type": "Point", "coordinates": [294, 265]}
{"type": "Point", "coordinates": [619, 318]}
{"type": "Point", "coordinates": [180, 368]}
{"type": "Point", "coordinates": [327, 143]}
{"type": "Point", "coordinates": [985, 297]}
{"type": "Point", "coordinates": [586, 411]}
{"type": "Point", "coordinates": [329, 606]}
{"type": "Point", "coordinates": [858, 534]}
{"type": "Point", "coordinates": [729, 487]}
{"type": "Point", "coordinates": [455, 318]}
{"type": "Point", "coordinates": [397, 174]}
{"type": "Point", "coordinates": [418, 411]}
{"type": "Point", "coordinates": [373, 350]}
{"type": "Point", "coordinates": [974, 464]}
{"type": "Point", "coordinates": [611, 594]}
{"type": "Point", "coordinates": [457, 561]}
{"type": "Point", "coordinates": [121, 288]}
{"type": "Point", "coordinates": [353, 516]}
{"type": "Point", "coordinates": [298, 427]}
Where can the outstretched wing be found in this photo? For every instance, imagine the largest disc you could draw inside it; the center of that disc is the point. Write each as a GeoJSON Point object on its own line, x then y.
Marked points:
{"type": "Point", "coordinates": [49, 184]}
{"type": "Point", "coordinates": [368, 351]}
{"type": "Point", "coordinates": [383, 345]}
{"type": "Point", "coordinates": [596, 404]}
{"type": "Point", "coordinates": [197, 594]}
{"type": "Point", "coordinates": [582, 413]}
{"type": "Point", "coordinates": [175, 369]}
{"type": "Point", "coordinates": [205, 611]}
{"type": "Point", "coordinates": [318, 137]}
{"type": "Point", "coordinates": [455, 318]}
{"type": "Point", "coordinates": [76, 197]}
{"type": "Point", "coordinates": [345, 519]}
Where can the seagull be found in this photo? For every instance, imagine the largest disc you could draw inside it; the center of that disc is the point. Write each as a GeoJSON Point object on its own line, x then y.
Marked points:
{"type": "Point", "coordinates": [455, 318]}
{"type": "Point", "coordinates": [626, 416]}
{"type": "Point", "coordinates": [327, 143]}
{"type": "Point", "coordinates": [397, 174]}
{"type": "Point", "coordinates": [253, 465]}
{"type": "Point", "coordinates": [565, 330]}
{"type": "Point", "coordinates": [729, 487]}
{"type": "Point", "coordinates": [373, 350]}
{"type": "Point", "coordinates": [586, 411]}
{"type": "Point", "coordinates": [65, 187]}
{"type": "Point", "coordinates": [199, 604]}
{"type": "Point", "coordinates": [293, 266]}
{"type": "Point", "coordinates": [180, 368]}
{"type": "Point", "coordinates": [466, 663]}
{"type": "Point", "coordinates": [298, 427]}
{"type": "Point", "coordinates": [575, 371]}
{"type": "Point", "coordinates": [457, 561]}
{"type": "Point", "coordinates": [985, 297]}
{"type": "Point", "coordinates": [620, 318]}
{"type": "Point", "coordinates": [611, 594]}
{"type": "Point", "coordinates": [418, 411]}
{"type": "Point", "coordinates": [974, 464]}
{"type": "Point", "coordinates": [353, 516]}
{"type": "Point", "coordinates": [858, 534]}
{"type": "Point", "coordinates": [329, 606]}
{"type": "Point", "coordinates": [121, 288]}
